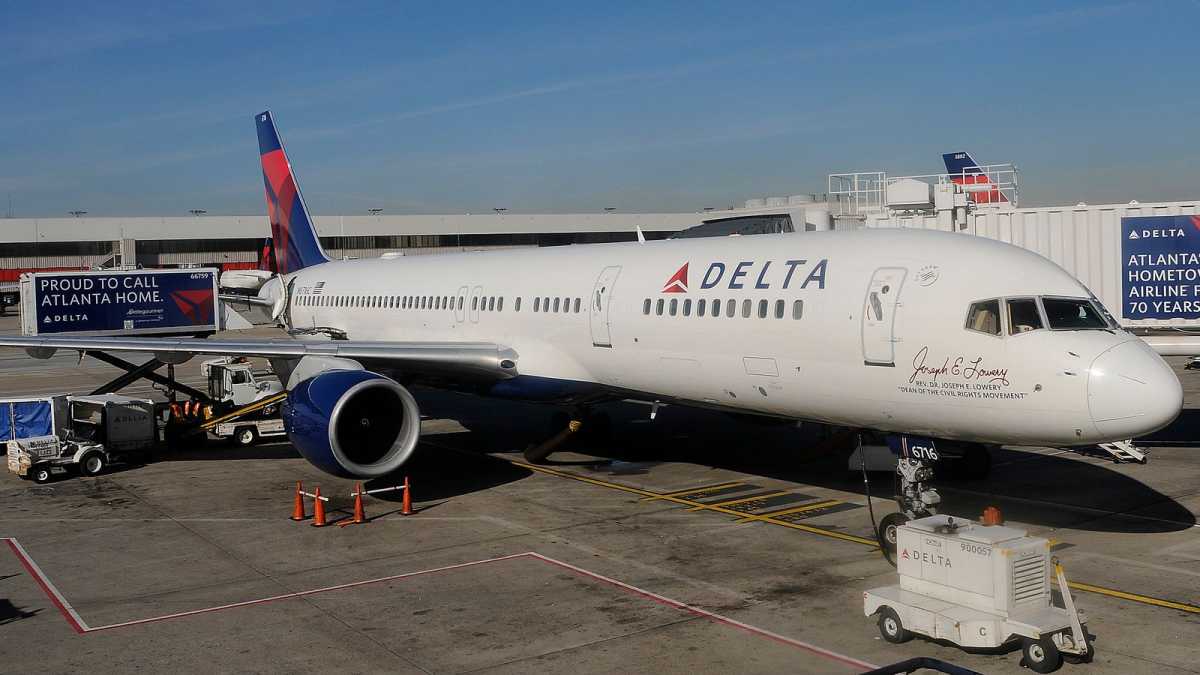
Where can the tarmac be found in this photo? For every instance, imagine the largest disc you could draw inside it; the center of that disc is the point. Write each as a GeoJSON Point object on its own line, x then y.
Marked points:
{"type": "Point", "coordinates": [695, 542]}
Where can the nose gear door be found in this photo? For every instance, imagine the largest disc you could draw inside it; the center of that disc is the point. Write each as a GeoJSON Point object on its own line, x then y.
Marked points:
{"type": "Point", "coordinates": [879, 316]}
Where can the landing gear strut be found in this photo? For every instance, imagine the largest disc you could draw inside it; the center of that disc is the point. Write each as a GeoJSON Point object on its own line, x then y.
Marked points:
{"type": "Point", "coordinates": [914, 495]}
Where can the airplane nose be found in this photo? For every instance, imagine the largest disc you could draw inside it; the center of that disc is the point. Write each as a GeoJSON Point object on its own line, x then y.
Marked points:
{"type": "Point", "coordinates": [1132, 391]}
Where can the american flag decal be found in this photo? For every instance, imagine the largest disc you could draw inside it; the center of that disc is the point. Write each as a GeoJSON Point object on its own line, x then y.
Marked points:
{"type": "Point", "coordinates": [318, 288]}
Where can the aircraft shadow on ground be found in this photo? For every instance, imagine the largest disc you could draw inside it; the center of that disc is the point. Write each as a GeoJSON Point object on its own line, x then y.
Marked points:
{"type": "Point", "coordinates": [1058, 491]}
{"type": "Point", "coordinates": [435, 475]}
{"type": "Point", "coordinates": [1185, 430]}
{"type": "Point", "coordinates": [10, 613]}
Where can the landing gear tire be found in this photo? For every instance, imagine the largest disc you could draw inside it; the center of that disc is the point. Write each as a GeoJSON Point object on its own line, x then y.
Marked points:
{"type": "Point", "coordinates": [887, 535]}
{"type": "Point", "coordinates": [40, 474]}
{"type": "Point", "coordinates": [1041, 655]}
{"type": "Point", "coordinates": [91, 464]}
{"type": "Point", "coordinates": [890, 627]}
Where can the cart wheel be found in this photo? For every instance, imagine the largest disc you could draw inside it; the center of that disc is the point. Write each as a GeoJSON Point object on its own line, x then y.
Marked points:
{"type": "Point", "coordinates": [887, 534]}
{"type": "Point", "coordinates": [41, 474]}
{"type": "Point", "coordinates": [1041, 655]}
{"type": "Point", "coordinates": [91, 464]}
{"type": "Point", "coordinates": [245, 436]}
{"type": "Point", "coordinates": [890, 627]}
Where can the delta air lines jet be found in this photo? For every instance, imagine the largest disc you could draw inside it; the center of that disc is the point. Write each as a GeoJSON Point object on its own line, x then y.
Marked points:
{"type": "Point", "coordinates": [941, 335]}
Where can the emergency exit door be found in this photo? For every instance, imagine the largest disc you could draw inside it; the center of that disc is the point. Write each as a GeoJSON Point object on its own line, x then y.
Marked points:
{"type": "Point", "coordinates": [879, 316]}
{"type": "Point", "coordinates": [599, 303]}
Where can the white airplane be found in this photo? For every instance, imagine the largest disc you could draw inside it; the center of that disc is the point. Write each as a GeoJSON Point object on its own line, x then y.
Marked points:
{"type": "Point", "coordinates": [939, 335]}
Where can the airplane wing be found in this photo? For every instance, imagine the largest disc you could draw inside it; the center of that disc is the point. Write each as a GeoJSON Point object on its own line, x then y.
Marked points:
{"type": "Point", "coordinates": [480, 359]}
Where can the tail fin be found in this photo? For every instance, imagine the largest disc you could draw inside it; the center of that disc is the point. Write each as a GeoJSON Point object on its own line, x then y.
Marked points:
{"type": "Point", "coordinates": [295, 239]}
{"type": "Point", "coordinates": [960, 163]}
{"type": "Point", "coordinates": [978, 185]}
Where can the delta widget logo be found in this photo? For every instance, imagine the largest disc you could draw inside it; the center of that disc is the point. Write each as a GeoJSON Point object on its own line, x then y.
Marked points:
{"type": "Point", "coordinates": [195, 304]}
{"type": "Point", "coordinates": [678, 283]}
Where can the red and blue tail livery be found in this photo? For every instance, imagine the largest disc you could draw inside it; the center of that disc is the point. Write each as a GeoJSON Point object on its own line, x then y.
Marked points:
{"type": "Point", "coordinates": [295, 239]}
{"type": "Point", "coordinates": [965, 171]}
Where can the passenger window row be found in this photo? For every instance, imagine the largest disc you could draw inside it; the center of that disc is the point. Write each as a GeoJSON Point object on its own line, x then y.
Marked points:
{"type": "Point", "coordinates": [491, 303]}
{"type": "Point", "coordinates": [714, 308]}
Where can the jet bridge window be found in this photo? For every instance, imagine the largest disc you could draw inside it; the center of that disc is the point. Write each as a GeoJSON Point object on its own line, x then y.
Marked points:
{"type": "Point", "coordinates": [1023, 315]}
{"type": "Point", "coordinates": [984, 317]}
{"type": "Point", "coordinates": [1072, 314]}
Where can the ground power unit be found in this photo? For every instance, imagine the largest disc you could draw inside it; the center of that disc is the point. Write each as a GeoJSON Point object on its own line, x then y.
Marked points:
{"type": "Point", "coordinates": [980, 586]}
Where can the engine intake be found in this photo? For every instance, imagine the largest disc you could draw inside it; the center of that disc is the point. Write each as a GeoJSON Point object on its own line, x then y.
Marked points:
{"type": "Point", "coordinates": [352, 423]}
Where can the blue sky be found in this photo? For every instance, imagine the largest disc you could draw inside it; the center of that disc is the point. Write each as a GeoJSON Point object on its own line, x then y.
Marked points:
{"type": "Point", "coordinates": [124, 109]}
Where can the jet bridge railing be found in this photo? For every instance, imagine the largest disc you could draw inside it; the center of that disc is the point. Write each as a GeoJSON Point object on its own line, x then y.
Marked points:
{"type": "Point", "coordinates": [866, 192]}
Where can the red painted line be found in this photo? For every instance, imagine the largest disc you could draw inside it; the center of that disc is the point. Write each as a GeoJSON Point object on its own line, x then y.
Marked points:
{"type": "Point", "coordinates": [712, 616]}
{"type": "Point", "coordinates": [51, 592]}
{"type": "Point", "coordinates": [300, 594]}
{"type": "Point", "coordinates": [79, 626]}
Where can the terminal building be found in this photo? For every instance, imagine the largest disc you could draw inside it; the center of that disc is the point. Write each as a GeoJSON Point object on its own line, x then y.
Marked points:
{"type": "Point", "coordinates": [1148, 282]}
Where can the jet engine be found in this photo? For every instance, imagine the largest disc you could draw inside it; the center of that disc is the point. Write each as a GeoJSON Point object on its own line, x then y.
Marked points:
{"type": "Point", "coordinates": [352, 423]}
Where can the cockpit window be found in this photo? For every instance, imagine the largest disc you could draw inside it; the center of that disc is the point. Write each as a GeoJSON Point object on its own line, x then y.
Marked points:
{"type": "Point", "coordinates": [1023, 315]}
{"type": "Point", "coordinates": [985, 317]}
{"type": "Point", "coordinates": [1072, 314]}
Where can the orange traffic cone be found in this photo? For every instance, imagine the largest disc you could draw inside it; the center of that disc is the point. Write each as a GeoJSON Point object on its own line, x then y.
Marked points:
{"type": "Point", "coordinates": [298, 504]}
{"type": "Point", "coordinates": [359, 516]}
{"type": "Point", "coordinates": [318, 509]}
{"type": "Point", "coordinates": [406, 505]}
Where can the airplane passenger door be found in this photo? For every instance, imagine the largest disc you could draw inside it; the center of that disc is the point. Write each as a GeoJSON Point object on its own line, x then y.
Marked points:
{"type": "Point", "coordinates": [599, 303]}
{"type": "Point", "coordinates": [460, 305]}
{"type": "Point", "coordinates": [879, 316]}
{"type": "Point", "coordinates": [475, 299]}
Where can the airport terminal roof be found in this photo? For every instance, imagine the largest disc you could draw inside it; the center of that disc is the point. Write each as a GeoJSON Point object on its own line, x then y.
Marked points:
{"type": "Point", "coordinates": [86, 228]}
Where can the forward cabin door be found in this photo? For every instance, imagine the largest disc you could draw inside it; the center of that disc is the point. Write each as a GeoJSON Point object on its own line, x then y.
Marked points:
{"type": "Point", "coordinates": [599, 303]}
{"type": "Point", "coordinates": [879, 316]}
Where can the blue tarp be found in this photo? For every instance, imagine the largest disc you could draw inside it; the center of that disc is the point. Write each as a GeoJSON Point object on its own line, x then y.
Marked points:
{"type": "Point", "coordinates": [25, 419]}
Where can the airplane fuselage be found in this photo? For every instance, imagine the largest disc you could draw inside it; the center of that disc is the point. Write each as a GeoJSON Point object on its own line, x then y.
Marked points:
{"type": "Point", "coordinates": [874, 329]}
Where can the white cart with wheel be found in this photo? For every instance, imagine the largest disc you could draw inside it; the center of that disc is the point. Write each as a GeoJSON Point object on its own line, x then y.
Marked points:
{"type": "Point", "coordinates": [979, 586]}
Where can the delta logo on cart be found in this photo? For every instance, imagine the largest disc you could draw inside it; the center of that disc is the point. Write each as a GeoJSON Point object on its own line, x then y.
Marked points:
{"type": "Point", "coordinates": [763, 275]}
{"type": "Point", "coordinates": [195, 304]}
{"type": "Point", "coordinates": [927, 558]}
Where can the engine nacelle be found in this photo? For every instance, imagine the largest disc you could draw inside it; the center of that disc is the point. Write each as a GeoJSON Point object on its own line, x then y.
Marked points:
{"type": "Point", "coordinates": [352, 423]}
